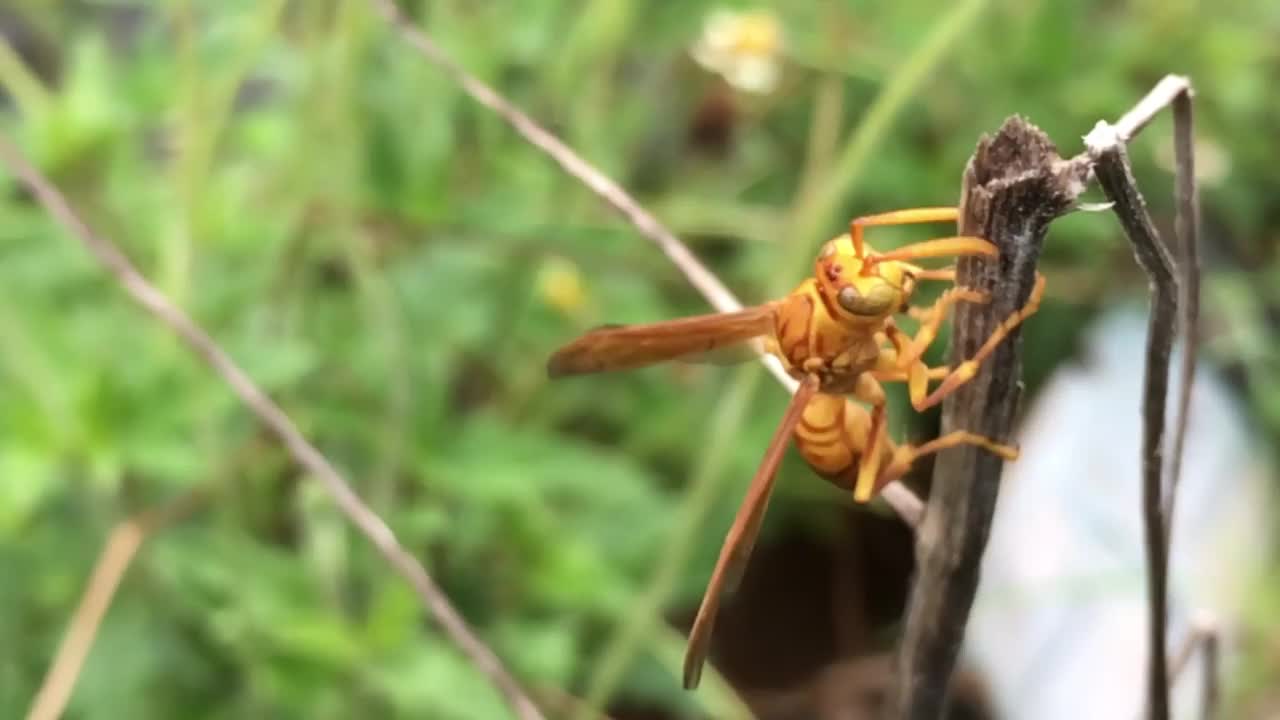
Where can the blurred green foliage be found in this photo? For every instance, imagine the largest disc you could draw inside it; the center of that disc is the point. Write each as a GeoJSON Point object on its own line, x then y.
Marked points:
{"type": "Point", "coordinates": [393, 265]}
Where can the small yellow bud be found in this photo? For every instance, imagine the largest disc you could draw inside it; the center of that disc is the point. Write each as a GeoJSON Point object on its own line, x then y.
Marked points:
{"type": "Point", "coordinates": [559, 285]}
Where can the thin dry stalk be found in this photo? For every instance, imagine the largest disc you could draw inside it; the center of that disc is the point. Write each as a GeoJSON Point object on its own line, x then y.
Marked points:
{"type": "Point", "coordinates": [1175, 306]}
{"type": "Point", "coordinates": [907, 505]}
{"type": "Point", "coordinates": [1114, 174]}
{"type": "Point", "coordinates": [278, 423]}
{"type": "Point", "coordinates": [564, 705]}
{"type": "Point", "coordinates": [113, 561]}
{"type": "Point", "coordinates": [1187, 230]}
{"type": "Point", "coordinates": [1210, 688]}
{"type": "Point", "coordinates": [1202, 639]}
{"type": "Point", "coordinates": [1175, 92]}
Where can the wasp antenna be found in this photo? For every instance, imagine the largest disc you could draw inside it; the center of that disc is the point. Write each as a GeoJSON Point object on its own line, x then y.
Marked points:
{"type": "Point", "coordinates": [855, 234]}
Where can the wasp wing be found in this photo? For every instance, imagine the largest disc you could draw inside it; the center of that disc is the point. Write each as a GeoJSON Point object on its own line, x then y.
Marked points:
{"type": "Point", "coordinates": [625, 347]}
{"type": "Point", "coordinates": [742, 536]}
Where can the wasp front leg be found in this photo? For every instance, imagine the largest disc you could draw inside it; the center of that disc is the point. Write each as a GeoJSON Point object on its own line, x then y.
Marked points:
{"type": "Point", "coordinates": [931, 322]}
{"type": "Point", "coordinates": [903, 363]}
{"type": "Point", "coordinates": [907, 351]}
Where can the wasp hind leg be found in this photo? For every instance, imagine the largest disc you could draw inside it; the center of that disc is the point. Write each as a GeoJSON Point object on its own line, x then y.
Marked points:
{"type": "Point", "coordinates": [904, 456]}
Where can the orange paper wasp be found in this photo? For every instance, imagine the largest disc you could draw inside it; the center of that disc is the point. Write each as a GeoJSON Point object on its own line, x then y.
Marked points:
{"type": "Point", "coordinates": [835, 333]}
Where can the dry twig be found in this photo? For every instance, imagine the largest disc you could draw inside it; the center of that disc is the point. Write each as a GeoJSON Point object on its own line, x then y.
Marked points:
{"type": "Point", "coordinates": [1014, 186]}
{"type": "Point", "coordinates": [896, 495]}
{"type": "Point", "coordinates": [278, 423]}
{"type": "Point", "coordinates": [113, 561]}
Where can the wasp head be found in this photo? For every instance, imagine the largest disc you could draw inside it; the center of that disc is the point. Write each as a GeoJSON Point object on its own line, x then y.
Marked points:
{"type": "Point", "coordinates": [858, 287]}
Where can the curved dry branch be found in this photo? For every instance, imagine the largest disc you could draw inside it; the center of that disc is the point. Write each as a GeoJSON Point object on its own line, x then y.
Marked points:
{"type": "Point", "coordinates": [278, 423]}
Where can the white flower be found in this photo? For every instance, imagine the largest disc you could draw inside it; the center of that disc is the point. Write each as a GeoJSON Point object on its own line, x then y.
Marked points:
{"type": "Point", "coordinates": [742, 47]}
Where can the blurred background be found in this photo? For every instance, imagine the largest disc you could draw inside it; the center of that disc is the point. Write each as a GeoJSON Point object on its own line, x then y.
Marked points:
{"type": "Point", "coordinates": [393, 264]}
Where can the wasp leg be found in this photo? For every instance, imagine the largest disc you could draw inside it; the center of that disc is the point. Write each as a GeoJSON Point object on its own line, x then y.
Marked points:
{"type": "Point", "coordinates": [894, 374]}
{"type": "Point", "coordinates": [931, 321]}
{"type": "Point", "coordinates": [831, 436]}
{"type": "Point", "coordinates": [904, 456]}
{"type": "Point", "coordinates": [947, 273]}
{"type": "Point", "coordinates": [965, 371]}
{"type": "Point", "coordinates": [919, 375]}
{"type": "Point", "coordinates": [869, 390]}
{"type": "Point", "coordinates": [944, 247]}
{"type": "Point", "coordinates": [898, 217]}
{"type": "Point", "coordinates": [864, 448]}
{"type": "Point", "coordinates": [940, 247]}
{"type": "Point", "coordinates": [891, 368]}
